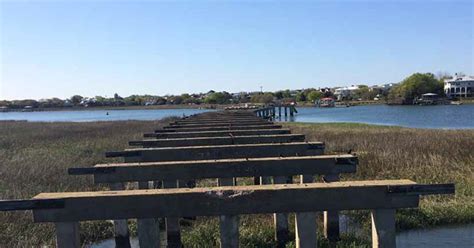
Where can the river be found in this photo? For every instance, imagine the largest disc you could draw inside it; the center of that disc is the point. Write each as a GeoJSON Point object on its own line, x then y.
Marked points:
{"type": "Point", "coordinates": [438, 116]}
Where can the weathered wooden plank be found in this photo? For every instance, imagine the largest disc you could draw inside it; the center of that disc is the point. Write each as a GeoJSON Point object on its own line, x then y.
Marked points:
{"type": "Point", "coordinates": [220, 123]}
{"type": "Point", "coordinates": [243, 167]}
{"type": "Point", "coordinates": [203, 125]}
{"type": "Point", "coordinates": [220, 152]}
{"type": "Point", "coordinates": [217, 128]}
{"type": "Point", "coordinates": [200, 141]}
{"type": "Point", "coordinates": [221, 133]}
{"type": "Point", "coordinates": [236, 200]}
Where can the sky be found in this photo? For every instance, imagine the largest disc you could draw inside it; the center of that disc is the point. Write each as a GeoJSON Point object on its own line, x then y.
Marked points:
{"type": "Point", "coordinates": [62, 48]}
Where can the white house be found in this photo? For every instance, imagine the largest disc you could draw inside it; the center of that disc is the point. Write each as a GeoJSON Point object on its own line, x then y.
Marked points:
{"type": "Point", "coordinates": [459, 86]}
{"type": "Point", "coordinates": [344, 92]}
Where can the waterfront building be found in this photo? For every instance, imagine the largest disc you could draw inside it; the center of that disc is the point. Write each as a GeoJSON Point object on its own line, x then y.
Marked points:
{"type": "Point", "coordinates": [345, 92]}
{"type": "Point", "coordinates": [459, 86]}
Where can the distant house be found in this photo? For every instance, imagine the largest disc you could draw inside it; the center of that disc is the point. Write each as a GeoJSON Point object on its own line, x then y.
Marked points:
{"type": "Point", "coordinates": [345, 92]}
{"type": "Point", "coordinates": [459, 86]}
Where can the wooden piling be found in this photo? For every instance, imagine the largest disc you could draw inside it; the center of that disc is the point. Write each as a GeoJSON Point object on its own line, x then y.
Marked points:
{"type": "Point", "coordinates": [305, 223]}
{"type": "Point", "coordinates": [228, 224]}
{"type": "Point", "coordinates": [281, 220]}
{"type": "Point", "coordinates": [173, 232]}
{"type": "Point", "coordinates": [331, 218]}
{"type": "Point", "coordinates": [121, 233]}
{"type": "Point", "coordinates": [67, 235]}
{"type": "Point", "coordinates": [148, 228]}
{"type": "Point", "coordinates": [383, 228]}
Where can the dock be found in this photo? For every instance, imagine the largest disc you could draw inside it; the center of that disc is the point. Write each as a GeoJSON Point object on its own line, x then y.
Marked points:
{"type": "Point", "coordinates": [290, 175]}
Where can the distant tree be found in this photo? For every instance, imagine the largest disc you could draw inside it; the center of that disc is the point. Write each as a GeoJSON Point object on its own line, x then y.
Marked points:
{"type": "Point", "coordinates": [314, 95]}
{"type": "Point", "coordinates": [267, 97]}
{"type": "Point", "coordinates": [218, 98]}
{"type": "Point", "coordinates": [76, 99]}
{"type": "Point", "coordinates": [414, 86]}
{"type": "Point", "coordinates": [301, 97]}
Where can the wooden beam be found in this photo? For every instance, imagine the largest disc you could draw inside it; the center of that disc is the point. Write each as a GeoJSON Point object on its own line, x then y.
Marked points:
{"type": "Point", "coordinates": [217, 128]}
{"type": "Point", "coordinates": [220, 152]}
{"type": "Point", "coordinates": [229, 140]}
{"type": "Point", "coordinates": [222, 133]}
{"type": "Point", "coordinates": [152, 203]}
{"type": "Point", "coordinates": [243, 167]}
{"type": "Point", "coordinates": [202, 125]}
{"type": "Point", "coordinates": [67, 235]}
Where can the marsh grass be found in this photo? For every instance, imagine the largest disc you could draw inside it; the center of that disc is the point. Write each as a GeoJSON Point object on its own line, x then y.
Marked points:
{"type": "Point", "coordinates": [34, 158]}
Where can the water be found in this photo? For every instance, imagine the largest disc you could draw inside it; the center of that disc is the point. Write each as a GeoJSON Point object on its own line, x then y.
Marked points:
{"type": "Point", "coordinates": [98, 115]}
{"type": "Point", "coordinates": [437, 116]}
{"type": "Point", "coordinates": [454, 236]}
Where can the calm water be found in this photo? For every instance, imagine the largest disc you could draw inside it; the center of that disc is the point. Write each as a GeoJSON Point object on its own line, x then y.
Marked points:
{"type": "Point", "coordinates": [98, 115]}
{"type": "Point", "coordinates": [440, 116]}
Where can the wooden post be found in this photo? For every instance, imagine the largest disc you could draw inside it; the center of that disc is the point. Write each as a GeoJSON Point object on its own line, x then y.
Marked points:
{"type": "Point", "coordinates": [67, 235]}
{"type": "Point", "coordinates": [279, 111]}
{"type": "Point", "coordinates": [286, 111]}
{"type": "Point", "coordinates": [331, 218]}
{"type": "Point", "coordinates": [173, 232]}
{"type": "Point", "coordinates": [291, 110]}
{"type": "Point", "coordinates": [148, 229]}
{"type": "Point", "coordinates": [273, 111]}
{"type": "Point", "coordinates": [281, 220]}
{"type": "Point", "coordinates": [228, 224]}
{"type": "Point", "coordinates": [305, 223]}
{"type": "Point", "coordinates": [121, 233]}
{"type": "Point", "coordinates": [383, 228]}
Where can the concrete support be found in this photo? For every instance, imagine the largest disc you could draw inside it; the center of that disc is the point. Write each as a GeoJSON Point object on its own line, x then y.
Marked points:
{"type": "Point", "coordinates": [305, 223]}
{"type": "Point", "coordinates": [281, 219]}
{"type": "Point", "coordinates": [149, 228]}
{"type": "Point", "coordinates": [228, 224]}
{"type": "Point", "coordinates": [383, 228]}
{"type": "Point", "coordinates": [121, 233]}
{"type": "Point", "coordinates": [173, 232]}
{"type": "Point", "coordinates": [67, 235]}
{"type": "Point", "coordinates": [331, 218]}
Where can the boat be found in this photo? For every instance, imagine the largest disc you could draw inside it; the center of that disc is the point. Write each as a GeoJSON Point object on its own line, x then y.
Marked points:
{"type": "Point", "coordinates": [326, 102]}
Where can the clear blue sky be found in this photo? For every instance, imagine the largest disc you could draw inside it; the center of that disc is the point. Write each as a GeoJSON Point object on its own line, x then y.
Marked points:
{"type": "Point", "coordinates": [57, 49]}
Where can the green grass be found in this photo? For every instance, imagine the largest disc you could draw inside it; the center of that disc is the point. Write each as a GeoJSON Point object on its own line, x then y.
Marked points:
{"type": "Point", "coordinates": [34, 158]}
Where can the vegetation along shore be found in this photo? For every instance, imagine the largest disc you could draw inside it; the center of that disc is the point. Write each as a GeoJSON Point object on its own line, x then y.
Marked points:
{"type": "Point", "coordinates": [34, 158]}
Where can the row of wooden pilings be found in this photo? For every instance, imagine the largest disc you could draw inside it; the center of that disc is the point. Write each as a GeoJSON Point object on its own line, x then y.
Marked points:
{"type": "Point", "coordinates": [276, 111]}
{"type": "Point", "coordinates": [225, 145]}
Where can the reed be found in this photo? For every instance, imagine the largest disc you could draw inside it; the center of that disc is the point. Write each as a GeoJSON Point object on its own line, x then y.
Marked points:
{"type": "Point", "coordinates": [34, 158]}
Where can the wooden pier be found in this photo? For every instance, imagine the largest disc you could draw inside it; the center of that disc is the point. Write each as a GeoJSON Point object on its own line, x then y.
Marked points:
{"type": "Point", "coordinates": [224, 146]}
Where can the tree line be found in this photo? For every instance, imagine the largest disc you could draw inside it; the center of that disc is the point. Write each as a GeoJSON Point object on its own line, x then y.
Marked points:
{"type": "Point", "coordinates": [410, 88]}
